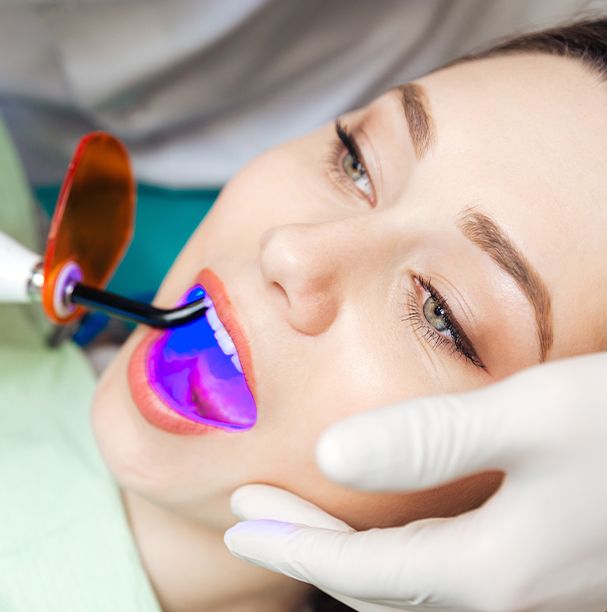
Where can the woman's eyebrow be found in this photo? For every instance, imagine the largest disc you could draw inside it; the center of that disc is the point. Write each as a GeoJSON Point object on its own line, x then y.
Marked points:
{"type": "Point", "coordinates": [486, 234]}
{"type": "Point", "coordinates": [419, 119]}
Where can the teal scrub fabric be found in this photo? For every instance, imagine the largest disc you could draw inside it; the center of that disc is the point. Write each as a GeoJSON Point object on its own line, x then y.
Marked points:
{"type": "Point", "coordinates": [65, 543]}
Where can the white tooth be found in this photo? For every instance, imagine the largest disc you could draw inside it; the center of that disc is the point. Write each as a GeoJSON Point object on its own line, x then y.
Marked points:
{"type": "Point", "coordinates": [236, 363]}
{"type": "Point", "coordinates": [225, 342]}
{"type": "Point", "coordinates": [206, 300]}
{"type": "Point", "coordinates": [213, 319]}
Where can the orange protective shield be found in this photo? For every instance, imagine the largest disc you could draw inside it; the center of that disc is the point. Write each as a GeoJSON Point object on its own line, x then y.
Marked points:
{"type": "Point", "coordinates": [93, 221]}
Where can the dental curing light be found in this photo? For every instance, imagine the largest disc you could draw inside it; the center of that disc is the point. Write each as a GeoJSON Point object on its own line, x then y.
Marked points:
{"type": "Point", "coordinates": [90, 231]}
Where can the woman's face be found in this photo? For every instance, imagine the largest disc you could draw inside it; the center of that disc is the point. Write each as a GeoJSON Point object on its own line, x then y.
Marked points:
{"type": "Point", "coordinates": [460, 239]}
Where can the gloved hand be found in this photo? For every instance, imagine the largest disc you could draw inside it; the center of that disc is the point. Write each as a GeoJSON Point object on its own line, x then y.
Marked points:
{"type": "Point", "coordinates": [540, 543]}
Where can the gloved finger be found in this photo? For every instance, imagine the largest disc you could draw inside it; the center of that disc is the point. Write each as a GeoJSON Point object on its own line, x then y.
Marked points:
{"type": "Point", "coordinates": [258, 501]}
{"type": "Point", "coordinates": [428, 441]}
{"type": "Point", "coordinates": [389, 566]}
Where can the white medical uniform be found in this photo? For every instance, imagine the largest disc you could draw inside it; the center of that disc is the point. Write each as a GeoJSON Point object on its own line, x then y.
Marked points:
{"type": "Point", "coordinates": [198, 87]}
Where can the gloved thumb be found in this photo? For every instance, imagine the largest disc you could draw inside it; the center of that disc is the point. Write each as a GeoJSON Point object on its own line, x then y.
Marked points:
{"type": "Point", "coordinates": [430, 441]}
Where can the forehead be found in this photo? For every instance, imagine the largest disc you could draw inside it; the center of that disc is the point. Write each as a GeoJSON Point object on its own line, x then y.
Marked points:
{"type": "Point", "coordinates": [523, 137]}
{"type": "Point", "coordinates": [536, 117]}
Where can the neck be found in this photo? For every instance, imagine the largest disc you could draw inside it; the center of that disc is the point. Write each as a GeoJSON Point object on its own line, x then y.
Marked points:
{"type": "Point", "coordinates": [191, 569]}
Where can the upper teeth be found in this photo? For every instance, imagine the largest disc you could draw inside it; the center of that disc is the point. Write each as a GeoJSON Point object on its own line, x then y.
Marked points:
{"type": "Point", "coordinates": [225, 342]}
{"type": "Point", "coordinates": [221, 334]}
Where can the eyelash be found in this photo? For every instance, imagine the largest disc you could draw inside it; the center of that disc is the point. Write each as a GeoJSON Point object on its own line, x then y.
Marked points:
{"type": "Point", "coordinates": [346, 143]}
{"type": "Point", "coordinates": [458, 343]}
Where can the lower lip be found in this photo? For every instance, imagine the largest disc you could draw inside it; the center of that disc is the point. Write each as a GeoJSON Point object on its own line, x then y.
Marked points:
{"type": "Point", "coordinates": [163, 411]}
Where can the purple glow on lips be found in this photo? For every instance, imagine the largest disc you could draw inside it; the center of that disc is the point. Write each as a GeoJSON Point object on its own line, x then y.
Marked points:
{"type": "Point", "coordinates": [192, 375]}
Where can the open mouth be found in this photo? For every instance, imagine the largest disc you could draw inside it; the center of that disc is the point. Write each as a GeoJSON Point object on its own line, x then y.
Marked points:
{"type": "Point", "coordinates": [196, 371]}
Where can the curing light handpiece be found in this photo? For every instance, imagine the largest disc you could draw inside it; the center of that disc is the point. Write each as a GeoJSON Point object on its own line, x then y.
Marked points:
{"type": "Point", "coordinates": [22, 280]}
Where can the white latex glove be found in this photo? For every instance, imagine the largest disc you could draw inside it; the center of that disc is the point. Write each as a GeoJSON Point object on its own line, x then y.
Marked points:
{"type": "Point", "coordinates": [540, 543]}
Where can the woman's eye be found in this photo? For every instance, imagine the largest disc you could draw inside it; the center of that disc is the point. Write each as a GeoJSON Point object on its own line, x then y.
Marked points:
{"type": "Point", "coordinates": [348, 162]}
{"type": "Point", "coordinates": [434, 313]}
{"type": "Point", "coordinates": [357, 173]}
{"type": "Point", "coordinates": [438, 326]}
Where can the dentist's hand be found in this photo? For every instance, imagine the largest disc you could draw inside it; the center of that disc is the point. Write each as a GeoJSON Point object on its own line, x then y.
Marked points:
{"type": "Point", "coordinates": [540, 543]}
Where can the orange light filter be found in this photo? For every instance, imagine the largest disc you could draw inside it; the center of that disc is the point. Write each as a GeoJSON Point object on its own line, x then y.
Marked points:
{"type": "Point", "coordinates": [93, 221]}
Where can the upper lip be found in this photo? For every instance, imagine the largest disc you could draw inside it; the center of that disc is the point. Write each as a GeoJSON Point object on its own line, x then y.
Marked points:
{"type": "Point", "coordinates": [216, 290]}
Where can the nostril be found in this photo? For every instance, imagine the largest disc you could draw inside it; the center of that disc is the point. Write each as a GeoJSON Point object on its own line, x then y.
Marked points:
{"type": "Point", "coordinates": [279, 290]}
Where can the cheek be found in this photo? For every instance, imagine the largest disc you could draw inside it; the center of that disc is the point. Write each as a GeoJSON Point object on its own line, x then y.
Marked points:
{"type": "Point", "coordinates": [297, 472]}
{"type": "Point", "coordinates": [289, 463]}
{"type": "Point", "coordinates": [285, 458]}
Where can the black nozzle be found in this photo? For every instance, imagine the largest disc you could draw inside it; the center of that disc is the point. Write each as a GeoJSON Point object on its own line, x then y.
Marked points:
{"type": "Point", "coordinates": [136, 312]}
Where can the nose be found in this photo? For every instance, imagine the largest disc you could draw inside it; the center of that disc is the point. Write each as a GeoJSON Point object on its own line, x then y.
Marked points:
{"type": "Point", "coordinates": [303, 264]}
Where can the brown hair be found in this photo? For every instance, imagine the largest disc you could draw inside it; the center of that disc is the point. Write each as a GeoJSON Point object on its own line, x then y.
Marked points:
{"type": "Point", "coordinates": [584, 40]}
